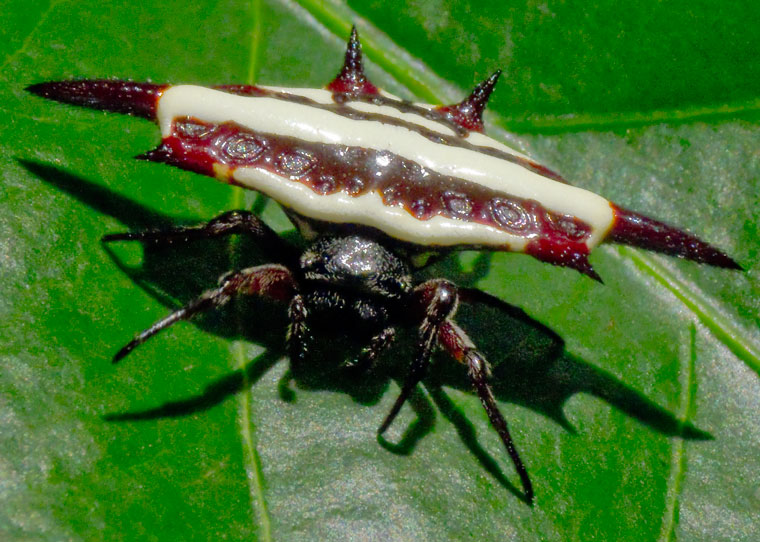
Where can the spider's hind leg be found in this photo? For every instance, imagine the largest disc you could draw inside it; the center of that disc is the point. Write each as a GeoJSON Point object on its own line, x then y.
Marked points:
{"type": "Point", "coordinates": [271, 280]}
{"type": "Point", "coordinates": [228, 223]}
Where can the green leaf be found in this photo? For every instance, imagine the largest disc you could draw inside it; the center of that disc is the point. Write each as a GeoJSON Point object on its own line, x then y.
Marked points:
{"type": "Point", "coordinates": [207, 432]}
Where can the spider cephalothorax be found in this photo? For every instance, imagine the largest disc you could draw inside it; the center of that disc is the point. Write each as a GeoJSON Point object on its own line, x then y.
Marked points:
{"type": "Point", "coordinates": [376, 183]}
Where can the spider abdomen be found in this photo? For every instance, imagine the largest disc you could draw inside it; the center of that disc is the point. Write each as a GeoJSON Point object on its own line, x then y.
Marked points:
{"type": "Point", "coordinates": [339, 165]}
{"type": "Point", "coordinates": [352, 155]}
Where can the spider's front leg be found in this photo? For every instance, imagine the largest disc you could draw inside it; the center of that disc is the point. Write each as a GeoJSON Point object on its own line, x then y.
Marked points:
{"type": "Point", "coordinates": [229, 223]}
{"type": "Point", "coordinates": [437, 300]}
{"type": "Point", "coordinates": [298, 338]}
{"type": "Point", "coordinates": [367, 359]}
{"type": "Point", "coordinates": [272, 280]}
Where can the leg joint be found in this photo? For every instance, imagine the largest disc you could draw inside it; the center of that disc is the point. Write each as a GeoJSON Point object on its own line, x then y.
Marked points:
{"type": "Point", "coordinates": [437, 299]}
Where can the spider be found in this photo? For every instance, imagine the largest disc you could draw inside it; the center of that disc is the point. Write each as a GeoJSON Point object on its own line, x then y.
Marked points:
{"type": "Point", "coordinates": [375, 184]}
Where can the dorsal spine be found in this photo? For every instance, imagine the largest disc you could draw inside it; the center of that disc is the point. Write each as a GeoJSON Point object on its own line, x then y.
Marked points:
{"type": "Point", "coordinates": [351, 79]}
{"type": "Point", "coordinates": [128, 97]}
{"type": "Point", "coordinates": [469, 112]}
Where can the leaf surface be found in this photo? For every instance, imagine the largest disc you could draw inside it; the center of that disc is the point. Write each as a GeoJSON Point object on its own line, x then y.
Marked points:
{"type": "Point", "coordinates": [207, 432]}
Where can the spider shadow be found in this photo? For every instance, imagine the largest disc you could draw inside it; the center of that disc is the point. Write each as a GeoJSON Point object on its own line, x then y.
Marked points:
{"type": "Point", "coordinates": [531, 366]}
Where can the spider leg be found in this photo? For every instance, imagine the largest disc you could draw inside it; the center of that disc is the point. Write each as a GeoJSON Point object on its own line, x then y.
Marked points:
{"type": "Point", "coordinates": [228, 223]}
{"type": "Point", "coordinates": [456, 342]}
{"type": "Point", "coordinates": [368, 356]}
{"type": "Point", "coordinates": [438, 301]}
{"type": "Point", "coordinates": [271, 280]}
{"type": "Point", "coordinates": [299, 336]}
{"type": "Point", "coordinates": [437, 298]}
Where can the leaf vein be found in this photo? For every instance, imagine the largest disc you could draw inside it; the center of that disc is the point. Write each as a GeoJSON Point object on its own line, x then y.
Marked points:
{"type": "Point", "coordinates": [734, 338]}
{"type": "Point", "coordinates": [687, 377]}
{"type": "Point", "coordinates": [251, 457]}
{"type": "Point", "coordinates": [28, 39]}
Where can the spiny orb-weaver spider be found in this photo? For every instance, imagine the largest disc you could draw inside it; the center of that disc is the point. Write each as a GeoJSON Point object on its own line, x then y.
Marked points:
{"type": "Point", "coordinates": [375, 183]}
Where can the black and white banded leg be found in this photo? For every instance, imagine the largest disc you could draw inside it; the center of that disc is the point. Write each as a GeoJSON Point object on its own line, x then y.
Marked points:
{"type": "Point", "coordinates": [299, 338]}
{"type": "Point", "coordinates": [367, 358]}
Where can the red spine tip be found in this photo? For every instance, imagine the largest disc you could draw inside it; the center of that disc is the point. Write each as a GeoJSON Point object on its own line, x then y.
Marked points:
{"type": "Point", "coordinates": [174, 153]}
{"type": "Point", "coordinates": [139, 99]}
{"type": "Point", "coordinates": [634, 229]}
{"type": "Point", "coordinates": [351, 78]}
{"type": "Point", "coordinates": [162, 154]}
{"type": "Point", "coordinates": [563, 253]}
{"type": "Point", "coordinates": [469, 112]}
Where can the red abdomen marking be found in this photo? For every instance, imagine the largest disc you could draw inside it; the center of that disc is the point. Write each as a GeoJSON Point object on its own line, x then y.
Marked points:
{"type": "Point", "coordinates": [327, 169]}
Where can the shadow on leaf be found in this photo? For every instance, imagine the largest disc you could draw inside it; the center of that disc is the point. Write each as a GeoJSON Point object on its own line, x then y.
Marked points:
{"type": "Point", "coordinates": [530, 364]}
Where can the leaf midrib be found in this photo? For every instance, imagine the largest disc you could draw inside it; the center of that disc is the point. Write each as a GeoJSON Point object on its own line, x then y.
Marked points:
{"type": "Point", "coordinates": [251, 457]}
{"type": "Point", "coordinates": [687, 391]}
{"type": "Point", "coordinates": [701, 306]}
